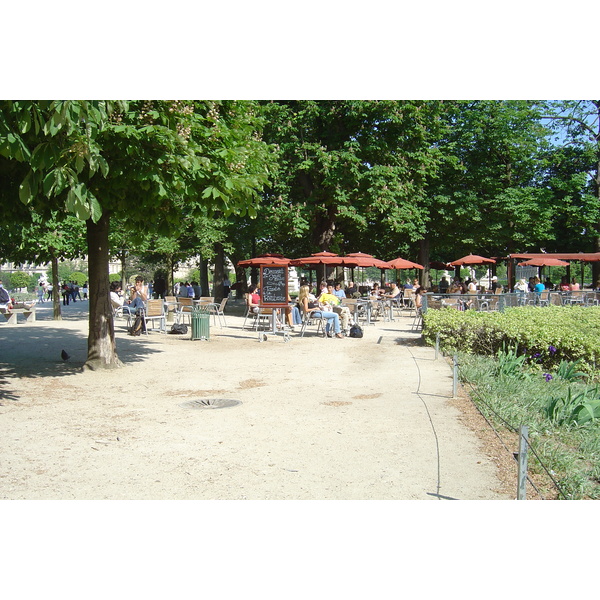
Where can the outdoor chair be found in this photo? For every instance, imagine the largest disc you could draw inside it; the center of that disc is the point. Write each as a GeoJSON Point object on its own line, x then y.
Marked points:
{"type": "Point", "coordinates": [249, 312]}
{"type": "Point", "coordinates": [577, 297]}
{"type": "Point", "coordinates": [308, 319]}
{"type": "Point", "coordinates": [154, 311]}
{"type": "Point", "coordinates": [352, 304]}
{"type": "Point", "coordinates": [171, 306]}
{"type": "Point", "coordinates": [184, 309]}
{"type": "Point", "coordinates": [217, 311]}
{"type": "Point", "coordinates": [418, 320]}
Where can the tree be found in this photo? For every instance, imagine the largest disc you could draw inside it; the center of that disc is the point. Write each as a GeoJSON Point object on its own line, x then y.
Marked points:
{"type": "Point", "coordinates": [349, 173]}
{"type": "Point", "coordinates": [576, 169]}
{"type": "Point", "coordinates": [489, 197]}
{"type": "Point", "coordinates": [140, 161]}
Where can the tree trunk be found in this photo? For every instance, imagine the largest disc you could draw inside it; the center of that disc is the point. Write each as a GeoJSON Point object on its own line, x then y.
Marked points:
{"type": "Point", "coordinates": [218, 290]}
{"type": "Point", "coordinates": [102, 349]}
{"type": "Point", "coordinates": [425, 278]}
{"type": "Point", "coordinates": [56, 312]}
{"type": "Point", "coordinates": [123, 259]}
{"type": "Point", "coordinates": [204, 283]}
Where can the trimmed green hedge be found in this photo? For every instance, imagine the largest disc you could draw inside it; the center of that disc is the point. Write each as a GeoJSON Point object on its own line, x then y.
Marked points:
{"type": "Point", "coordinates": [546, 335]}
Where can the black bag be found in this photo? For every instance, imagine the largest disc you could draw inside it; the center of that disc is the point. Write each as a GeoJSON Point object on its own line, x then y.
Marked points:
{"type": "Point", "coordinates": [179, 328]}
{"type": "Point", "coordinates": [138, 325]}
{"type": "Point", "coordinates": [356, 331]}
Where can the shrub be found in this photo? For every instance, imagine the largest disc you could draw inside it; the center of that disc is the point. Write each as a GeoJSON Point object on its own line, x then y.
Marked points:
{"type": "Point", "coordinates": [78, 277]}
{"type": "Point", "coordinates": [19, 279]}
{"type": "Point", "coordinates": [546, 335]}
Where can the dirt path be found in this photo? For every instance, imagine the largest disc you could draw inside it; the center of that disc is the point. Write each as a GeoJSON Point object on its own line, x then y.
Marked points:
{"type": "Point", "coordinates": [368, 418]}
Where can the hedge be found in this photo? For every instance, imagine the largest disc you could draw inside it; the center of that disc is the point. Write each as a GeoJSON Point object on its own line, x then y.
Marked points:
{"type": "Point", "coordinates": [547, 334]}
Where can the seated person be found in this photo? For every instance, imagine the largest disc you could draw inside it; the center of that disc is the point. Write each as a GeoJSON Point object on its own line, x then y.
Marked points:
{"type": "Point", "coordinates": [375, 290]}
{"type": "Point", "coordinates": [338, 291]}
{"type": "Point", "coordinates": [538, 285]}
{"type": "Point", "coordinates": [408, 285]}
{"type": "Point", "coordinates": [116, 297]}
{"type": "Point", "coordinates": [328, 297]}
{"type": "Point", "coordinates": [521, 286]}
{"type": "Point", "coordinates": [351, 289]}
{"type": "Point", "coordinates": [418, 298]}
{"type": "Point", "coordinates": [138, 296]}
{"type": "Point", "coordinates": [182, 291]}
{"type": "Point", "coordinates": [444, 285]}
{"type": "Point", "coordinates": [197, 290]}
{"type": "Point", "coordinates": [253, 299]}
{"type": "Point", "coordinates": [394, 293]}
{"type": "Point", "coordinates": [312, 307]}
{"type": "Point", "coordinates": [292, 315]}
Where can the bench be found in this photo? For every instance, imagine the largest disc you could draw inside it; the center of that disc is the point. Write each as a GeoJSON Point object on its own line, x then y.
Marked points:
{"type": "Point", "coordinates": [11, 314]}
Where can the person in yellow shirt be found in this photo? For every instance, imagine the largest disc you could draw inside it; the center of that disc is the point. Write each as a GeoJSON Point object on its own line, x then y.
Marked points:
{"type": "Point", "coordinates": [328, 297]}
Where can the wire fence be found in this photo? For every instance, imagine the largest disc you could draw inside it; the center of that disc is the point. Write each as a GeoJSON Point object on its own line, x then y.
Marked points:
{"type": "Point", "coordinates": [481, 400]}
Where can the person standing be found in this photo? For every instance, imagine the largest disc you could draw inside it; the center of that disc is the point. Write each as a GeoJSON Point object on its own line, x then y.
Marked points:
{"type": "Point", "coordinates": [85, 290]}
{"type": "Point", "coordinates": [4, 297]}
{"type": "Point", "coordinates": [160, 287]}
{"type": "Point", "coordinates": [226, 286]}
{"type": "Point", "coordinates": [66, 293]}
{"type": "Point", "coordinates": [50, 292]}
{"type": "Point", "coordinates": [40, 293]}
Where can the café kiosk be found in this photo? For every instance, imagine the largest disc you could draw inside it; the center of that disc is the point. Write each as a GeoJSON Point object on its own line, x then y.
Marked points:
{"type": "Point", "coordinates": [273, 295]}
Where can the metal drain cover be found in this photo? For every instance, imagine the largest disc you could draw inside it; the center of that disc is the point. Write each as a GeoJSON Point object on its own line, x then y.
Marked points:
{"type": "Point", "coordinates": [211, 403]}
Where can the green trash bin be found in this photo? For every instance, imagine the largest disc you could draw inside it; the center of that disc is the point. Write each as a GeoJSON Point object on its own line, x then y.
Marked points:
{"type": "Point", "coordinates": [200, 323]}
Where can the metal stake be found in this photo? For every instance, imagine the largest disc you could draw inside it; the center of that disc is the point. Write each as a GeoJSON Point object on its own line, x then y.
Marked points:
{"type": "Point", "coordinates": [454, 376]}
{"type": "Point", "coordinates": [522, 476]}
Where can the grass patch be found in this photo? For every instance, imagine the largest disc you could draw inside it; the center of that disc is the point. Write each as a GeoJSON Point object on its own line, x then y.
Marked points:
{"type": "Point", "coordinates": [512, 392]}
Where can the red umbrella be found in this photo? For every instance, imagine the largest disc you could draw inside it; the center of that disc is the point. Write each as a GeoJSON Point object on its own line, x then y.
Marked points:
{"type": "Point", "coordinates": [264, 259]}
{"type": "Point", "coordinates": [401, 263]}
{"type": "Point", "coordinates": [544, 262]}
{"type": "Point", "coordinates": [318, 258]}
{"type": "Point", "coordinates": [360, 259]}
{"type": "Point", "coordinates": [473, 259]}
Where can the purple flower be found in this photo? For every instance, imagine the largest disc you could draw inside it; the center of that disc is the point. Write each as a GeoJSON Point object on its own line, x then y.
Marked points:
{"type": "Point", "coordinates": [551, 349]}
{"type": "Point", "coordinates": [548, 376]}
{"type": "Point", "coordinates": [536, 355]}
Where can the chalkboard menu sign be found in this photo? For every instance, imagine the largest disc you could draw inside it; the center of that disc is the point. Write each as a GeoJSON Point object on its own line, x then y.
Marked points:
{"type": "Point", "coordinates": [274, 287]}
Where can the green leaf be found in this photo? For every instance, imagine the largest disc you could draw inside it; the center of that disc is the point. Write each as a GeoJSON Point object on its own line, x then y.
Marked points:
{"type": "Point", "coordinates": [25, 194]}
{"type": "Point", "coordinates": [95, 208]}
{"type": "Point", "coordinates": [49, 182]}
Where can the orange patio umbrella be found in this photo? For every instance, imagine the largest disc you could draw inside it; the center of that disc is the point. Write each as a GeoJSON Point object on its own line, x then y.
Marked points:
{"type": "Point", "coordinates": [264, 259]}
{"type": "Point", "coordinates": [473, 259]}
{"type": "Point", "coordinates": [318, 258]}
{"type": "Point", "coordinates": [544, 262]}
{"type": "Point", "coordinates": [360, 259]}
{"type": "Point", "coordinates": [401, 263]}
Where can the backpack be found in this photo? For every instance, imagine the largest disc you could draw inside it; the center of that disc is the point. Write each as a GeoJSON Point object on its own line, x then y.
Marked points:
{"type": "Point", "coordinates": [356, 331]}
{"type": "Point", "coordinates": [179, 328]}
{"type": "Point", "coordinates": [138, 325]}
{"type": "Point", "coordinates": [4, 297]}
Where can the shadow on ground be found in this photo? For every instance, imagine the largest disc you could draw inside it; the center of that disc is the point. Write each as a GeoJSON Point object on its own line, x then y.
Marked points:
{"type": "Point", "coordinates": [29, 351]}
